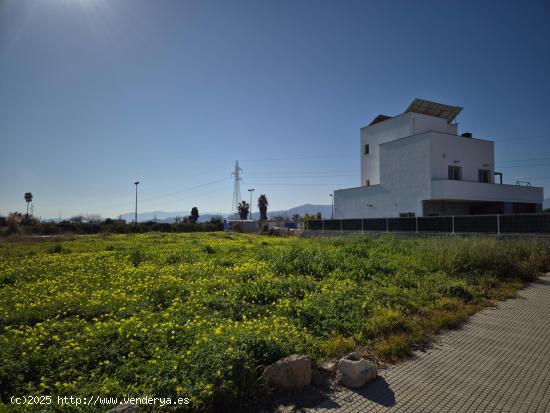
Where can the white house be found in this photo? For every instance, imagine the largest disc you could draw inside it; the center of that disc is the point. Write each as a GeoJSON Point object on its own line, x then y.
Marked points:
{"type": "Point", "coordinates": [416, 164]}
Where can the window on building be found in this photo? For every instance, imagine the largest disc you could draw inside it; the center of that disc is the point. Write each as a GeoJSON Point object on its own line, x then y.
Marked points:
{"type": "Point", "coordinates": [367, 182]}
{"type": "Point", "coordinates": [483, 176]}
{"type": "Point", "coordinates": [455, 173]}
{"type": "Point", "coordinates": [367, 149]}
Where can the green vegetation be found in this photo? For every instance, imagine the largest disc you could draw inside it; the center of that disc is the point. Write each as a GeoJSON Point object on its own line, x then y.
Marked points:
{"type": "Point", "coordinates": [194, 315]}
{"type": "Point", "coordinates": [243, 209]}
{"type": "Point", "coordinates": [262, 206]}
{"type": "Point", "coordinates": [15, 224]}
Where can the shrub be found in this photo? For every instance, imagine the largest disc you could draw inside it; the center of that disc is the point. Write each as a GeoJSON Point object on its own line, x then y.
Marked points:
{"type": "Point", "coordinates": [55, 249]}
{"type": "Point", "coordinates": [136, 257]}
{"type": "Point", "coordinates": [199, 314]}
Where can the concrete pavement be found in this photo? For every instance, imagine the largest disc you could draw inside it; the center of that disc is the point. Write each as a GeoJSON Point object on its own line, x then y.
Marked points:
{"type": "Point", "coordinates": [499, 361]}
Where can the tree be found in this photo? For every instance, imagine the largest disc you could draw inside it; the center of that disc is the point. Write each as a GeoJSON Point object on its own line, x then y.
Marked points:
{"type": "Point", "coordinates": [313, 217]}
{"type": "Point", "coordinates": [243, 209]}
{"type": "Point", "coordinates": [28, 200]}
{"type": "Point", "coordinates": [14, 219]}
{"type": "Point", "coordinates": [194, 215]}
{"type": "Point", "coordinates": [296, 218]}
{"type": "Point", "coordinates": [216, 219]}
{"type": "Point", "coordinates": [262, 206]}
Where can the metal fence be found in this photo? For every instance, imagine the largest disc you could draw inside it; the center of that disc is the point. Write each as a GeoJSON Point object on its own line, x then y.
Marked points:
{"type": "Point", "coordinates": [482, 224]}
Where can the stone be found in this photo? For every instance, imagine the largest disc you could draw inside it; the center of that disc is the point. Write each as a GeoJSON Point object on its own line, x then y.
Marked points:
{"type": "Point", "coordinates": [286, 409]}
{"type": "Point", "coordinates": [354, 371]}
{"type": "Point", "coordinates": [329, 366]}
{"type": "Point", "coordinates": [125, 408]}
{"type": "Point", "coordinates": [289, 374]}
{"type": "Point", "coordinates": [317, 378]}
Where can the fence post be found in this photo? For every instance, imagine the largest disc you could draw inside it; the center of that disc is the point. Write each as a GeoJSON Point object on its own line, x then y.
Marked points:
{"type": "Point", "coordinates": [498, 224]}
{"type": "Point", "coordinates": [361, 225]}
{"type": "Point", "coordinates": [416, 219]}
{"type": "Point", "coordinates": [387, 225]}
{"type": "Point", "coordinates": [323, 225]}
{"type": "Point", "coordinates": [453, 221]}
{"type": "Point", "coordinates": [341, 225]}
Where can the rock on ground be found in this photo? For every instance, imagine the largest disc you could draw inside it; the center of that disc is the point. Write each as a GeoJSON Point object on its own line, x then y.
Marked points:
{"type": "Point", "coordinates": [354, 371]}
{"type": "Point", "coordinates": [290, 373]}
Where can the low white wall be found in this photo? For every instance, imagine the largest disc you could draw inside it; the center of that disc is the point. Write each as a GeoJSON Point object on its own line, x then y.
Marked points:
{"type": "Point", "coordinates": [475, 191]}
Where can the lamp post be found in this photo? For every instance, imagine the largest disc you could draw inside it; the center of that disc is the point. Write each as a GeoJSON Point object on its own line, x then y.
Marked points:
{"type": "Point", "coordinates": [332, 203]}
{"type": "Point", "coordinates": [250, 206]}
{"type": "Point", "coordinates": [135, 216]}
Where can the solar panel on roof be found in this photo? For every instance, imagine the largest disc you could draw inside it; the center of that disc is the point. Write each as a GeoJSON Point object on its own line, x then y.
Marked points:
{"type": "Point", "coordinates": [429, 108]}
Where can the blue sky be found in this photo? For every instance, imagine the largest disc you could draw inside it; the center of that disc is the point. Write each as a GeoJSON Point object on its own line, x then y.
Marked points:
{"type": "Point", "coordinates": [95, 94]}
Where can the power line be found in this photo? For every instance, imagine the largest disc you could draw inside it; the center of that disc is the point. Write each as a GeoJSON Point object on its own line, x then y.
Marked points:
{"type": "Point", "coordinates": [303, 176]}
{"type": "Point", "coordinates": [302, 172]}
{"type": "Point", "coordinates": [525, 160]}
{"type": "Point", "coordinates": [530, 177]}
{"type": "Point", "coordinates": [298, 158]}
{"type": "Point", "coordinates": [165, 195]}
{"type": "Point", "coordinates": [295, 184]}
{"type": "Point", "coordinates": [524, 138]}
{"type": "Point", "coordinates": [185, 190]}
{"type": "Point", "coordinates": [524, 166]}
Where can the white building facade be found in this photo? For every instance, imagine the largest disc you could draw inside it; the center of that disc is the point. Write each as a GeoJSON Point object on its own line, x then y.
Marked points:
{"type": "Point", "coordinates": [416, 164]}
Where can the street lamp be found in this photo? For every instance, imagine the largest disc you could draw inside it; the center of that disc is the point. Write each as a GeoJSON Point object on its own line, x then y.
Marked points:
{"type": "Point", "coordinates": [332, 202]}
{"type": "Point", "coordinates": [250, 206]}
{"type": "Point", "coordinates": [135, 217]}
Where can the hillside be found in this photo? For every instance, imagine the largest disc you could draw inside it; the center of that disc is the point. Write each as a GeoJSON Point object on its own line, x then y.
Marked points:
{"type": "Point", "coordinates": [169, 217]}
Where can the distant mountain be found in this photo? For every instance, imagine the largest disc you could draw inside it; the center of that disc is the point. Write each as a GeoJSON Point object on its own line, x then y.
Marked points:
{"type": "Point", "coordinates": [546, 203]}
{"type": "Point", "coordinates": [170, 217]}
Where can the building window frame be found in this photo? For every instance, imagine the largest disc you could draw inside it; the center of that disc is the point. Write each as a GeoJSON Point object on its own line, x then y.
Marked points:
{"type": "Point", "coordinates": [484, 176]}
{"type": "Point", "coordinates": [455, 173]}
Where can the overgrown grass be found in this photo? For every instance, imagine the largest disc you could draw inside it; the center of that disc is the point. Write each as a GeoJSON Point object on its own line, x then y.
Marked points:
{"type": "Point", "coordinates": [194, 315]}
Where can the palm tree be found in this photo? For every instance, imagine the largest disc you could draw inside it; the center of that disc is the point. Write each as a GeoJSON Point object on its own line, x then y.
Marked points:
{"type": "Point", "coordinates": [194, 215]}
{"type": "Point", "coordinates": [243, 209]}
{"type": "Point", "coordinates": [262, 206]}
{"type": "Point", "coordinates": [28, 200]}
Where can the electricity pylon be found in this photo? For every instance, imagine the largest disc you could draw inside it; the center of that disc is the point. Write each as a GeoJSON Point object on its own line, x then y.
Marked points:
{"type": "Point", "coordinates": [236, 190]}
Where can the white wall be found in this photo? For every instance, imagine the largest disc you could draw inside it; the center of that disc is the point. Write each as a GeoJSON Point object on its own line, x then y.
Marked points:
{"type": "Point", "coordinates": [405, 172]}
{"type": "Point", "coordinates": [475, 191]}
{"type": "Point", "coordinates": [353, 202]}
{"type": "Point", "coordinates": [376, 134]}
{"type": "Point", "coordinates": [471, 154]}
{"type": "Point", "coordinates": [406, 124]}
{"type": "Point", "coordinates": [424, 123]}
{"type": "Point", "coordinates": [404, 182]}
{"type": "Point", "coordinates": [413, 169]}
{"type": "Point", "coordinates": [408, 163]}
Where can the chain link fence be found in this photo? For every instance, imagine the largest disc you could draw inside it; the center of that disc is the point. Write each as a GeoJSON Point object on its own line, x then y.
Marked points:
{"type": "Point", "coordinates": [465, 224]}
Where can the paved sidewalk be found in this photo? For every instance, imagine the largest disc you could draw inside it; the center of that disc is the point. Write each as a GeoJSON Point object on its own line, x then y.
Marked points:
{"type": "Point", "coordinates": [498, 362]}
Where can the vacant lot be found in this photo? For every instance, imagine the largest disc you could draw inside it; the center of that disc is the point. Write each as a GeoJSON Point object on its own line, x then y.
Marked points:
{"type": "Point", "coordinates": [194, 315]}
